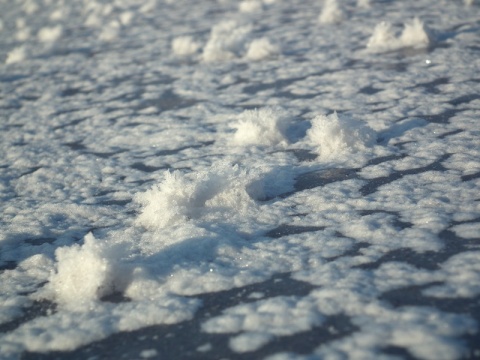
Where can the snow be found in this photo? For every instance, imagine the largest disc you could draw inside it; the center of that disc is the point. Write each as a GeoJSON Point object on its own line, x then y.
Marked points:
{"type": "Point", "coordinates": [267, 127]}
{"type": "Point", "coordinates": [334, 135]}
{"type": "Point", "coordinates": [414, 34]}
{"type": "Point", "coordinates": [185, 46]}
{"type": "Point", "coordinates": [227, 41]}
{"type": "Point", "coordinates": [260, 49]}
{"type": "Point", "coordinates": [331, 12]}
{"type": "Point", "coordinates": [16, 55]}
{"type": "Point", "coordinates": [50, 34]}
{"type": "Point", "coordinates": [221, 179]}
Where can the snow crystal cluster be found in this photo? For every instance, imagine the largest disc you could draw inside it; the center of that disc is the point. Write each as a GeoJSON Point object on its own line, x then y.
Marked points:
{"type": "Point", "coordinates": [414, 34]}
{"type": "Point", "coordinates": [332, 12]}
{"type": "Point", "coordinates": [222, 192]}
{"type": "Point", "coordinates": [158, 157]}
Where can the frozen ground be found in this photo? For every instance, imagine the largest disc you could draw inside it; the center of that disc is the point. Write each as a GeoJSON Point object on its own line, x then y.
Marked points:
{"type": "Point", "coordinates": [289, 179]}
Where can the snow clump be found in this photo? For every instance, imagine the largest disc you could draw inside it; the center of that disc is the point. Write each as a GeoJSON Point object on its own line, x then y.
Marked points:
{"type": "Point", "coordinates": [334, 135]}
{"type": "Point", "coordinates": [16, 55]}
{"type": "Point", "coordinates": [415, 34]}
{"type": "Point", "coordinates": [363, 4]}
{"type": "Point", "coordinates": [184, 46]}
{"type": "Point", "coordinates": [331, 12]}
{"type": "Point", "coordinates": [84, 273]}
{"type": "Point", "coordinates": [264, 127]}
{"type": "Point", "coordinates": [227, 41]}
{"type": "Point", "coordinates": [248, 6]}
{"type": "Point", "coordinates": [221, 193]}
{"type": "Point", "coordinates": [50, 34]}
{"type": "Point", "coordinates": [260, 49]}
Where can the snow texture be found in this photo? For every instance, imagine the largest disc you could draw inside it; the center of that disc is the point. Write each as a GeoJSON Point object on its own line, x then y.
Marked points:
{"type": "Point", "coordinates": [261, 179]}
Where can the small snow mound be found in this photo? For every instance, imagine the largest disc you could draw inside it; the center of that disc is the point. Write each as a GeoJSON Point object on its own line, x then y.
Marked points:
{"type": "Point", "coordinates": [334, 135]}
{"type": "Point", "coordinates": [50, 34]}
{"type": "Point", "coordinates": [227, 41]}
{"type": "Point", "coordinates": [260, 49]}
{"type": "Point", "coordinates": [364, 4]}
{"type": "Point", "coordinates": [382, 36]}
{"type": "Point", "coordinates": [221, 193]}
{"type": "Point", "coordinates": [111, 31]}
{"type": "Point", "coordinates": [84, 274]}
{"type": "Point", "coordinates": [126, 18]}
{"type": "Point", "coordinates": [184, 46]}
{"type": "Point", "coordinates": [16, 55]}
{"type": "Point", "coordinates": [331, 13]}
{"type": "Point", "coordinates": [264, 127]}
{"type": "Point", "coordinates": [415, 34]}
{"type": "Point", "coordinates": [248, 6]}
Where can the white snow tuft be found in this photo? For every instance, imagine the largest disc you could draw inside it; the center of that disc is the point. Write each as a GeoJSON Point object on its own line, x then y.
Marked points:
{"type": "Point", "coordinates": [16, 55]}
{"type": "Point", "coordinates": [126, 17]}
{"type": "Point", "coordinates": [221, 193]}
{"type": "Point", "coordinates": [84, 273]}
{"type": "Point", "coordinates": [331, 12]}
{"type": "Point", "coordinates": [415, 34]}
{"type": "Point", "coordinates": [383, 36]}
{"type": "Point", "coordinates": [247, 6]}
{"type": "Point", "coordinates": [227, 41]}
{"type": "Point", "coordinates": [260, 49]}
{"type": "Point", "coordinates": [111, 31]}
{"type": "Point", "coordinates": [364, 4]}
{"type": "Point", "coordinates": [264, 127]}
{"type": "Point", "coordinates": [185, 46]}
{"type": "Point", "coordinates": [50, 34]}
{"type": "Point", "coordinates": [250, 341]}
{"type": "Point", "coordinates": [334, 135]}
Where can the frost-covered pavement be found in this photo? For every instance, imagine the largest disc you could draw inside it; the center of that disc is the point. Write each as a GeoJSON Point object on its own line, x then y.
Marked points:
{"type": "Point", "coordinates": [284, 179]}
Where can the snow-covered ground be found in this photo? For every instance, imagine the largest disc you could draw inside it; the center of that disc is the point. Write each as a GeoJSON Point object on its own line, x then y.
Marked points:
{"type": "Point", "coordinates": [281, 179]}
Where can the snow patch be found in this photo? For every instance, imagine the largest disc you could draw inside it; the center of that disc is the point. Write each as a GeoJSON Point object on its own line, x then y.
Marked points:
{"type": "Point", "coordinates": [84, 273]}
{"type": "Point", "coordinates": [184, 46]}
{"type": "Point", "coordinates": [334, 135]}
{"type": "Point", "coordinates": [264, 127]}
{"type": "Point", "coordinates": [16, 55]}
{"type": "Point", "coordinates": [364, 4]}
{"type": "Point", "coordinates": [221, 193]}
{"type": "Point", "coordinates": [111, 31]}
{"type": "Point", "coordinates": [227, 41]}
{"type": "Point", "coordinates": [331, 13]}
{"type": "Point", "coordinates": [250, 341]}
{"type": "Point", "coordinates": [50, 34]}
{"type": "Point", "coordinates": [415, 34]}
{"type": "Point", "coordinates": [248, 6]}
{"type": "Point", "coordinates": [260, 49]}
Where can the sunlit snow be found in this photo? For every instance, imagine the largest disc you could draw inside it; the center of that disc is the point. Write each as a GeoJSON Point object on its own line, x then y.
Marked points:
{"type": "Point", "coordinates": [255, 179]}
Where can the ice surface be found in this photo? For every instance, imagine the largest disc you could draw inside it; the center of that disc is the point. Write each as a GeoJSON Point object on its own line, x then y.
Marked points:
{"type": "Point", "coordinates": [225, 179]}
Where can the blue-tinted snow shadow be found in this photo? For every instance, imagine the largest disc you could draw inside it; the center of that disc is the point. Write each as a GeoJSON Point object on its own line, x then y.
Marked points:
{"type": "Point", "coordinates": [400, 128]}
